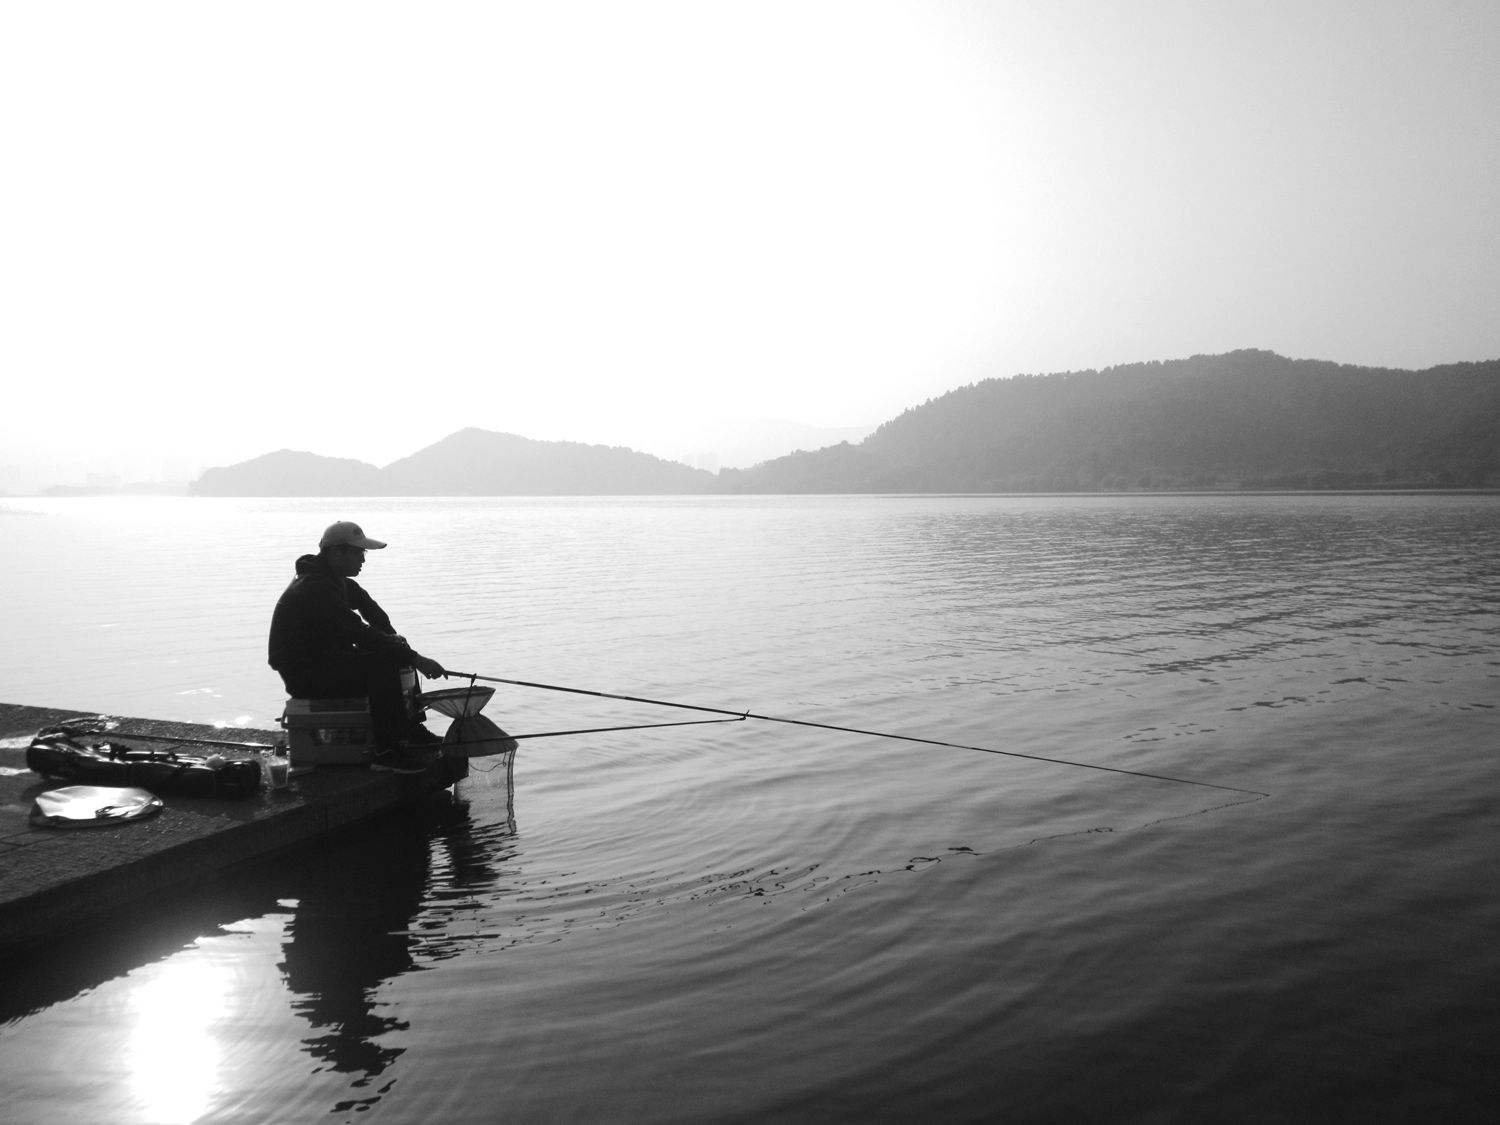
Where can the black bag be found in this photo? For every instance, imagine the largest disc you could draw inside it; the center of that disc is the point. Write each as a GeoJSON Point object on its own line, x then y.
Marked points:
{"type": "Point", "coordinates": [59, 753]}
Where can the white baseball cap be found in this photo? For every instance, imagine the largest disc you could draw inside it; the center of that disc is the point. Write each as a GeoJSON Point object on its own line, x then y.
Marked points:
{"type": "Point", "coordinates": [346, 534]}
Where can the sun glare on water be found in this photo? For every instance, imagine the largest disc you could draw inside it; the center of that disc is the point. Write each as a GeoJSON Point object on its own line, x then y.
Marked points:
{"type": "Point", "coordinates": [175, 1053]}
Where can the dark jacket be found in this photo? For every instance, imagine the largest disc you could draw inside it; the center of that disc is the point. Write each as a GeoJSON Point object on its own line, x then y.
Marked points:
{"type": "Point", "coordinates": [323, 618]}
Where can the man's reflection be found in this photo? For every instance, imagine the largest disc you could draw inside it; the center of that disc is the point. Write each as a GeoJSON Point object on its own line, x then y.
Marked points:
{"type": "Point", "coordinates": [352, 926]}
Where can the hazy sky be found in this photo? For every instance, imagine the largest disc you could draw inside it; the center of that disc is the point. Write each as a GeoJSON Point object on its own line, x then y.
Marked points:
{"type": "Point", "coordinates": [353, 228]}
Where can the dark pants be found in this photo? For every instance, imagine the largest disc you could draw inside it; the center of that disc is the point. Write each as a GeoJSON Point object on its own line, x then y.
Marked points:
{"type": "Point", "coordinates": [371, 675]}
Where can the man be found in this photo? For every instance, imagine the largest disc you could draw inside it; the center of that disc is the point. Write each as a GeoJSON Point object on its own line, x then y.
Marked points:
{"type": "Point", "coordinates": [330, 640]}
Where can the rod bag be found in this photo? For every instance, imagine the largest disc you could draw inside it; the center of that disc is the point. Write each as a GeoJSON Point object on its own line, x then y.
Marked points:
{"type": "Point", "coordinates": [58, 753]}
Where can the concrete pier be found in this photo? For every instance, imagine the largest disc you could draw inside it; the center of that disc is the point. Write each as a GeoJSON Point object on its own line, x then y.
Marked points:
{"type": "Point", "coordinates": [52, 879]}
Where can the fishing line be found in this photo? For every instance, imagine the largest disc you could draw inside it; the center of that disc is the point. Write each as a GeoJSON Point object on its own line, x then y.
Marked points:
{"type": "Point", "coordinates": [858, 730]}
{"type": "Point", "coordinates": [638, 726]}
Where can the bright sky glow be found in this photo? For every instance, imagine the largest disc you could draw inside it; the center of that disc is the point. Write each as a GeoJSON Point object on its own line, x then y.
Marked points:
{"type": "Point", "coordinates": [353, 228]}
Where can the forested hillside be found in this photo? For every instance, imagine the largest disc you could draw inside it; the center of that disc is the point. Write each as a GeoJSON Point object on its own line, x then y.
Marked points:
{"type": "Point", "coordinates": [1247, 419]}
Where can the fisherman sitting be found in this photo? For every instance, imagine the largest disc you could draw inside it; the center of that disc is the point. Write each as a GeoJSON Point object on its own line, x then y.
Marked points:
{"type": "Point", "coordinates": [330, 640]}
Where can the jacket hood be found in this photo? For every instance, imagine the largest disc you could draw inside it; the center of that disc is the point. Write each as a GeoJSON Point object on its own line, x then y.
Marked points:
{"type": "Point", "coordinates": [311, 564]}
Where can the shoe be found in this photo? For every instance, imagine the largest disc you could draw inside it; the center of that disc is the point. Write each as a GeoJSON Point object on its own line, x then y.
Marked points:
{"type": "Point", "coordinates": [401, 761]}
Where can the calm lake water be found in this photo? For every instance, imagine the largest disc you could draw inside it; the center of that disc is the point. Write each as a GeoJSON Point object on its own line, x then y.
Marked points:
{"type": "Point", "coordinates": [754, 921]}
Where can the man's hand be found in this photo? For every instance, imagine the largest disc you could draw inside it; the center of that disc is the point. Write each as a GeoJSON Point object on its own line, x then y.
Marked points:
{"type": "Point", "coordinates": [429, 668]}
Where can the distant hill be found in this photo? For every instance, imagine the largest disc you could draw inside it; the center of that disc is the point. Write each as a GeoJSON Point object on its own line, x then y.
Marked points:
{"type": "Point", "coordinates": [477, 462]}
{"type": "Point", "coordinates": [471, 462]}
{"type": "Point", "coordinates": [289, 473]}
{"type": "Point", "coordinates": [1247, 419]}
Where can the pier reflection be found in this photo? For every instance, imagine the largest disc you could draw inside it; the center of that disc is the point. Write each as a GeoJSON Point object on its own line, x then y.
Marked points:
{"type": "Point", "coordinates": [82, 961]}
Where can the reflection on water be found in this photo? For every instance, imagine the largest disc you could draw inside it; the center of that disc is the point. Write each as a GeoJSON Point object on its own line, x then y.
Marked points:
{"type": "Point", "coordinates": [349, 931]}
{"type": "Point", "coordinates": [355, 925]}
{"type": "Point", "coordinates": [79, 961]}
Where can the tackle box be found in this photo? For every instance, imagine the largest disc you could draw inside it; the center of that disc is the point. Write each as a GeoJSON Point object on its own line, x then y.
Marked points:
{"type": "Point", "coordinates": [337, 732]}
{"type": "Point", "coordinates": [328, 732]}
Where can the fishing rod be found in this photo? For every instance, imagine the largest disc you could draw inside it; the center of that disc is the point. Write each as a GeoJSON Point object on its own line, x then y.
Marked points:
{"type": "Point", "coordinates": [854, 730]}
{"type": "Point", "coordinates": [143, 736]}
{"type": "Point", "coordinates": [148, 736]}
